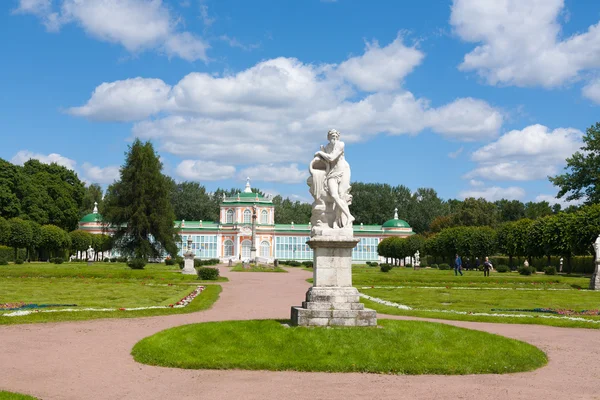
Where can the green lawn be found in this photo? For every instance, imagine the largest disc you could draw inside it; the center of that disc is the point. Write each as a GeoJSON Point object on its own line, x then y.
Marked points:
{"type": "Point", "coordinates": [257, 268]}
{"type": "Point", "coordinates": [14, 396]}
{"type": "Point", "coordinates": [102, 285]}
{"type": "Point", "coordinates": [162, 272]}
{"type": "Point", "coordinates": [440, 294]}
{"type": "Point", "coordinates": [397, 347]}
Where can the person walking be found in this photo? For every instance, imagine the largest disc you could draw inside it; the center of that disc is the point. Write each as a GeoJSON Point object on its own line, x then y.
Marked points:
{"type": "Point", "coordinates": [487, 265]}
{"type": "Point", "coordinates": [457, 265]}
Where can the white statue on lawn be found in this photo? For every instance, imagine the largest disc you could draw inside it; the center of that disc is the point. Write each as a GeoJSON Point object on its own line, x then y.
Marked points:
{"type": "Point", "coordinates": [330, 187]}
{"type": "Point", "coordinates": [597, 248]}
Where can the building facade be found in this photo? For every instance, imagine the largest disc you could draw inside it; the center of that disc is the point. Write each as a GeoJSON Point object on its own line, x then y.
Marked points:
{"type": "Point", "coordinates": [231, 236]}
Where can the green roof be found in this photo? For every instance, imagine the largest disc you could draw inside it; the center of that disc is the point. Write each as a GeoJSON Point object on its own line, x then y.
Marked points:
{"type": "Point", "coordinates": [91, 218]}
{"type": "Point", "coordinates": [396, 223]}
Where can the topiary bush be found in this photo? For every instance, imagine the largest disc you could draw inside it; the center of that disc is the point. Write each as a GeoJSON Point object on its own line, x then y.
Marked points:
{"type": "Point", "coordinates": [294, 263]}
{"type": "Point", "coordinates": [409, 265]}
{"type": "Point", "coordinates": [136, 263]}
{"type": "Point", "coordinates": [444, 266]}
{"type": "Point", "coordinates": [208, 273]}
{"type": "Point", "coordinates": [374, 263]}
{"type": "Point", "coordinates": [123, 259]}
{"type": "Point", "coordinates": [434, 266]}
{"type": "Point", "coordinates": [169, 261]}
{"type": "Point", "coordinates": [525, 270]}
{"type": "Point", "coordinates": [19, 260]}
{"type": "Point", "coordinates": [307, 264]}
{"type": "Point", "coordinates": [502, 268]}
{"type": "Point", "coordinates": [57, 260]}
{"type": "Point", "coordinates": [550, 270]}
{"type": "Point", "coordinates": [106, 259]}
{"type": "Point", "coordinates": [385, 267]}
{"type": "Point", "coordinates": [113, 259]}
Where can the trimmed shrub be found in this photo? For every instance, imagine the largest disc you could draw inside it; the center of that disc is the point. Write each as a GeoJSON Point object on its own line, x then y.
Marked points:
{"type": "Point", "coordinates": [444, 266]}
{"type": "Point", "coordinates": [385, 267]}
{"type": "Point", "coordinates": [308, 264]}
{"type": "Point", "coordinates": [502, 268]}
{"type": "Point", "coordinates": [57, 260]}
{"type": "Point", "coordinates": [113, 259]}
{"type": "Point", "coordinates": [136, 263]}
{"type": "Point", "coordinates": [106, 259]}
{"type": "Point", "coordinates": [374, 263]}
{"type": "Point", "coordinates": [208, 273]}
{"type": "Point", "coordinates": [19, 260]}
{"type": "Point", "coordinates": [550, 270]}
{"type": "Point", "coordinates": [435, 266]}
{"type": "Point", "coordinates": [294, 263]}
{"type": "Point", "coordinates": [180, 261]}
{"type": "Point", "coordinates": [122, 259]}
{"type": "Point", "coordinates": [525, 270]}
{"type": "Point", "coordinates": [170, 261]}
{"type": "Point", "coordinates": [409, 265]}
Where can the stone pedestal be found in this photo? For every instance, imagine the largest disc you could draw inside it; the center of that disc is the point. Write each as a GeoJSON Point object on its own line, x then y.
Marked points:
{"type": "Point", "coordinates": [332, 301]}
{"type": "Point", "coordinates": [595, 281]}
{"type": "Point", "coordinates": [188, 264]}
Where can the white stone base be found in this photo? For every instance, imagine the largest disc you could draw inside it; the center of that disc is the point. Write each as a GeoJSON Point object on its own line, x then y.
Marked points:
{"type": "Point", "coordinates": [332, 301]}
{"type": "Point", "coordinates": [188, 266]}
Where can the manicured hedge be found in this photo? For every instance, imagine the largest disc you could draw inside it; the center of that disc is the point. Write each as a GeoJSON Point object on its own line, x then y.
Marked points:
{"type": "Point", "coordinates": [208, 273]}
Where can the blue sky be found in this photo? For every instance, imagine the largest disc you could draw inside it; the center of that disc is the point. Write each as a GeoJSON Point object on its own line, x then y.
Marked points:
{"type": "Point", "coordinates": [480, 98]}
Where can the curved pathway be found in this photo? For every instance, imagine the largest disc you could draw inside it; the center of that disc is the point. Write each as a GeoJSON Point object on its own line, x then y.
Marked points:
{"type": "Point", "coordinates": [91, 359]}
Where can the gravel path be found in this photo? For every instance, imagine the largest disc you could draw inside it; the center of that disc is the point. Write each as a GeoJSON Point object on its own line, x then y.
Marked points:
{"type": "Point", "coordinates": [91, 359]}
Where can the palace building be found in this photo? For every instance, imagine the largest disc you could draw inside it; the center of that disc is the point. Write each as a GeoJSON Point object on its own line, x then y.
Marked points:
{"type": "Point", "coordinates": [231, 236]}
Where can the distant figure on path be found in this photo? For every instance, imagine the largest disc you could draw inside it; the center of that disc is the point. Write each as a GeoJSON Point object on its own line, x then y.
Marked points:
{"type": "Point", "coordinates": [477, 263]}
{"type": "Point", "coordinates": [457, 265]}
{"type": "Point", "coordinates": [487, 265]}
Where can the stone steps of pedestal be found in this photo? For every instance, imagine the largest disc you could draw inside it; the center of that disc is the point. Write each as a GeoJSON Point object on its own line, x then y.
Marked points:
{"type": "Point", "coordinates": [332, 298]}
{"type": "Point", "coordinates": [312, 317]}
{"type": "Point", "coordinates": [332, 306]}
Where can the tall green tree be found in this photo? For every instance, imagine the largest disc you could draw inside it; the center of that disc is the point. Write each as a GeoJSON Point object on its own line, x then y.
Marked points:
{"type": "Point", "coordinates": [475, 212]}
{"type": "Point", "coordinates": [537, 210]}
{"type": "Point", "coordinates": [424, 207]}
{"type": "Point", "coordinates": [510, 210]}
{"type": "Point", "coordinates": [288, 211]}
{"type": "Point", "coordinates": [20, 235]}
{"type": "Point", "coordinates": [11, 184]}
{"type": "Point", "coordinates": [139, 207]}
{"type": "Point", "coordinates": [93, 194]}
{"type": "Point", "coordinates": [374, 203]}
{"type": "Point", "coordinates": [190, 201]}
{"type": "Point", "coordinates": [54, 240]}
{"type": "Point", "coordinates": [582, 177]}
{"type": "Point", "coordinates": [80, 240]}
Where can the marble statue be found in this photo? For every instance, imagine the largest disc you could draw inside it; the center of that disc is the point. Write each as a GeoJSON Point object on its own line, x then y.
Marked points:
{"type": "Point", "coordinates": [417, 259]}
{"type": "Point", "coordinates": [91, 254]}
{"type": "Point", "coordinates": [597, 248]}
{"type": "Point", "coordinates": [329, 183]}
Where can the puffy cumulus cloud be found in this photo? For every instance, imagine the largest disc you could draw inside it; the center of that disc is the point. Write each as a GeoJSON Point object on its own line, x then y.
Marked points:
{"type": "Point", "coordinates": [592, 91]}
{"type": "Point", "coordinates": [276, 173]}
{"type": "Point", "coordinates": [520, 42]}
{"type": "Point", "coordinates": [126, 100]}
{"type": "Point", "coordinates": [88, 173]}
{"type": "Point", "coordinates": [474, 182]}
{"type": "Point", "coordinates": [25, 155]}
{"type": "Point", "coordinates": [198, 170]}
{"type": "Point", "coordinates": [532, 153]}
{"type": "Point", "coordinates": [381, 69]}
{"type": "Point", "coordinates": [494, 193]}
{"type": "Point", "coordinates": [553, 200]}
{"type": "Point", "coordinates": [274, 109]}
{"type": "Point", "coordinates": [137, 25]}
{"type": "Point", "coordinates": [96, 174]}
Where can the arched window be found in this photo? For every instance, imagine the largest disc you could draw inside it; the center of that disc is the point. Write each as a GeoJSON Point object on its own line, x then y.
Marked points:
{"type": "Point", "coordinates": [265, 249]}
{"type": "Point", "coordinates": [247, 216]}
{"type": "Point", "coordinates": [228, 247]}
{"type": "Point", "coordinates": [229, 219]}
{"type": "Point", "coordinates": [264, 217]}
{"type": "Point", "coordinates": [246, 246]}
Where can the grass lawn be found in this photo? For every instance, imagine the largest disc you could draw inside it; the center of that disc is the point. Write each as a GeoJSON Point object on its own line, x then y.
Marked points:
{"type": "Point", "coordinates": [257, 268]}
{"type": "Point", "coordinates": [102, 285]}
{"type": "Point", "coordinates": [440, 294]}
{"type": "Point", "coordinates": [14, 396]}
{"type": "Point", "coordinates": [397, 347]}
{"type": "Point", "coordinates": [170, 273]}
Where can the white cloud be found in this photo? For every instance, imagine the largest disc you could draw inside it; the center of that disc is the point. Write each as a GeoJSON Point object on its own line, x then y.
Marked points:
{"type": "Point", "coordinates": [494, 193]}
{"type": "Point", "coordinates": [198, 170]}
{"type": "Point", "coordinates": [592, 91]}
{"type": "Point", "coordinates": [381, 69]}
{"type": "Point", "coordinates": [456, 153]}
{"type": "Point", "coordinates": [100, 175]}
{"type": "Point", "coordinates": [275, 111]}
{"type": "Point", "coordinates": [553, 200]}
{"type": "Point", "coordinates": [532, 153]}
{"type": "Point", "coordinates": [474, 182]}
{"type": "Point", "coordinates": [275, 173]}
{"type": "Point", "coordinates": [137, 25]}
{"type": "Point", "coordinates": [24, 155]}
{"type": "Point", "coordinates": [126, 100]}
{"type": "Point", "coordinates": [520, 42]}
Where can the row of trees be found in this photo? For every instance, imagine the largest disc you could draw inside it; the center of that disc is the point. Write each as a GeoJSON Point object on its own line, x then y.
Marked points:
{"type": "Point", "coordinates": [563, 234]}
{"type": "Point", "coordinates": [47, 241]}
